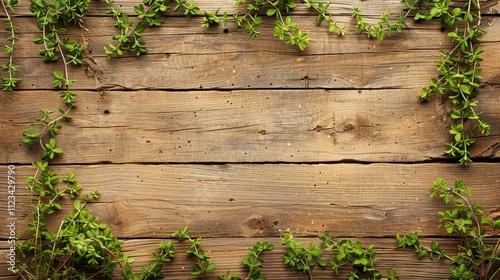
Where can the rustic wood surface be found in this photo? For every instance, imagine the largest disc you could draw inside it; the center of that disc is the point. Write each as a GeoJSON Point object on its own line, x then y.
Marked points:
{"type": "Point", "coordinates": [227, 254]}
{"type": "Point", "coordinates": [244, 140]}
{"type": "Point", "coordinates": [246, 126]}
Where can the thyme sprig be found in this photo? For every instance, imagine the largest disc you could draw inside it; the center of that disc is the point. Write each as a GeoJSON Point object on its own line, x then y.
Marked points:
{"type": "Point", "coordinates": [10, 82]}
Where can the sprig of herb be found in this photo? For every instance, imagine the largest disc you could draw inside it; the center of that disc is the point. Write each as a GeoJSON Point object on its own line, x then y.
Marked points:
{"type": "Point", "coordinates": [154, 271]}
{"type": "Point", "coordinates": [254, 260]}
{"type": "Point", "coordinates": [352, 254]}
{"type": "Point", "coordinates": [51, 15]}
{"type": "Point", "coordinates": [82, 247]}
{"type": "Point", "coordinates": [301, 258]}
{"type": "Point", "coordinates": [383, 28]}
{"type": "Point", "coordinates": [152, 14]}
{"type": "Point", "coordinates": [324, 15]}
{"type": "Point", "coordinates": [204, 265]}
{"type": "Point", "coordinates": [286, 29]}
{"type": "Point", "coordinates": [10, 82]}
{"type": "Point", "coordinates": [53, 126]}
{"type": "Point", "coordinates": [475, 259]}
{"type": "Point", "coordinates": [459, 72]}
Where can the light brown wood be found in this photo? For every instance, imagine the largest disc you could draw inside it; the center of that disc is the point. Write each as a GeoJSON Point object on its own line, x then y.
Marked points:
{"type": "Point", "coordinates": [240, 200]}
{"type": "Point", "coordinates": [184, 56]}
{"type": "Point", "coordinates": [227, 254]}
{"type": "Point", "coordinates": [245, 126]}
{"type": "Point", "coordinates": [244, 140]}
{"type": "Point", "coordinates": [369, 7]}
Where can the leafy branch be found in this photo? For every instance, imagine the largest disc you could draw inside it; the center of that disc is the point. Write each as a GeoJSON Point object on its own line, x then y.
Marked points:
{"type": "Point", "coordinates": [301, 258]}
{"type": "Point", "coordinates": [324, 15]}
{"type": "Point", "coordinates": [352, 254]}
{"type": "Point", "coordinates": [10, 82]}
{"type": "Point", "coordinates": [382, 28]}
{"type": "Point", "coordinates": [254, 260]}
{"type": "Point", "coordinates": [204, 265]}
{"type": "Point", "coordinates": [152, 14]}
{"type": "Point", "coordinates": [459, 71]}
{"type": "Point", "coordinates": [286, 29]}
{"type": "Point", "coordinates": [475, 258]}
{"type": "Point", "coordinates": [82, 247]}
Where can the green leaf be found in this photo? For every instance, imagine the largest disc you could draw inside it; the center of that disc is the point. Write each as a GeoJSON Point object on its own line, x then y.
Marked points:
{"type": "Point", "coordinates": [58, 75]}
{"type": "Point", "coordinates": [271, 12]}
{"type": "Point", "coordinates": [77, 205]}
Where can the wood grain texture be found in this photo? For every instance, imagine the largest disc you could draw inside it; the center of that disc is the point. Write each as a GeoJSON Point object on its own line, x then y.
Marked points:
{"type": "Point", "coordinates": [244, 140]}
{"type": "Point", "coordinates": [370, 7]}
{"type": "Point", "coordinates": [240, 200]}
{"type": "Point", "coordinates": [184, 56]}
{"type": "Point", "coordinates": [227, 254]}
{"type": "Point", "coordinates": [245, 126]}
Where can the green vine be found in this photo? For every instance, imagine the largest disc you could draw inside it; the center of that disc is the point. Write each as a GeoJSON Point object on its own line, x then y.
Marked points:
{"type": "Point", "coordinates": [302, 258]}
{"type": "Point", "coordinates": [82, 247]}
{"type": "Point", "coordinates": [476, 258]}
{"type": "Point", "coordinates": [383, 28]}
{"type": "Point", "coordinates": [285, 29]}
{"type": "Point", "coordinates": [459, 72]}
{"type": "Point", "coordinates": [352, 254]}
{"type": "Point", "coordinates": [10, 82]}
{"type": "Point", "coordinates": [255, 261]}
{"type": "Point", "coordinates": [204, 265]}
{"type": "Point", "coordinates": [152, 14]}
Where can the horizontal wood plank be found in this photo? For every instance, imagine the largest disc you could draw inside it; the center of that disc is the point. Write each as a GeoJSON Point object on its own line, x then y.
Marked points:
{"type": "Point", "coordinates": [261, 200]}
{"type": "Point", "coordinates": [226, 253]}
{"type": "Point", "coordinates": [369, 7]}
{"type": "Point", "coordinates": [244, 126]}
{"type": "Point", "coordinates": [183, 56]}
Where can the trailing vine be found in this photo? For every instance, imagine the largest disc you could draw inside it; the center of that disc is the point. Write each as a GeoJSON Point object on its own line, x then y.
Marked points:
{"type": "Point", "coordinates": [458, 69]}
{"type": "Point", "coordinates": [360, 260]}
{"type": "Point", "coordinates": [204, 266]}
{"type": "Point", "coordinates": [286, 29]}
{"type": "Point", "coordinates": [10, 82]}
{"type": "Point", "coordinates": [475, 258]}
{"type": "Point", "coordinates": [152, 13]}
{"type": "Point", "coordinates": [82, 247]}
{"type": "Point", "coordinates": [459, 72]}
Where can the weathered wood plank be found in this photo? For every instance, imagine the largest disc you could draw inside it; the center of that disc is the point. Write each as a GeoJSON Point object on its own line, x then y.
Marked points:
{"type": "Point", "coordinates": [227, 254]}
{"type": "Point", "coordinates": [194, 58]}
{"type": "Point", "coordinates": [244, 126]}
{"type": "Point", "coordinates": [370, 7]}
{"type": "Point", "coordinates": [260, 200]}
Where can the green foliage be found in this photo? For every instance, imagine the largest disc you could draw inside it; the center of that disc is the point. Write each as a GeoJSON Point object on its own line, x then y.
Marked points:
{"type": "Point", "coordinates": [82, 247]}
{"type": "Point", "coordinates": [51, 150]}
{"type": "Point", "coordinates": [382, 28]}
{"type": "Point", "coordinates": [52, 19]}
{"type": "Point", "coordinates": [352, 254]}
{"type": "Point", "coordinates": [324, 15]}
{"type": "Point", "coordinates": [10, 82]}
{"type": "Point", "coordinates": [286, 29]}
{"type": "Point", "coordinates": [458, 69]}
{"type": "Point", "coordinates": [476, 258]}
{"type": "Point", "coordinates": [53, 126]}
{"type": "Point", "coordinates": [254, 260]}
{"type": "Point", "coordinates": [151, 13]}
{"type": "Point", "coordinates": [154, 271]}
{"type": "Point", "coordinates": [204, 265]}
{"type": "Point", "coordinates": [80, 240]}
{"type": "Point", "coordinates": [301, 258]}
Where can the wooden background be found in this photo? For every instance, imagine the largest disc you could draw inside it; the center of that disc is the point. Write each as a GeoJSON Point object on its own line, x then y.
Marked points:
{"type": "Point", "coordinates": [244, 140]}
